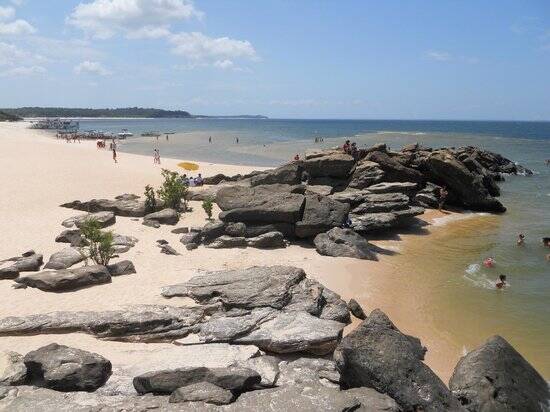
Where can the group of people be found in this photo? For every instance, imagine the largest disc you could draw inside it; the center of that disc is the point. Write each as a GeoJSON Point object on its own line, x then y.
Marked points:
{"type": "Point", "coordinates": [351, 149]}
{"type": "Point", "coordinates": [319, 139]}
{"type": "Point", "coordinates": [74, 137]}
{"type": "Point", "coordinates": [191, 181]}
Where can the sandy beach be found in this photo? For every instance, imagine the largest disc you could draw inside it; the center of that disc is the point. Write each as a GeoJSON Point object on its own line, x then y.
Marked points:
{"type": "Point", "coordinates": [39, 173]}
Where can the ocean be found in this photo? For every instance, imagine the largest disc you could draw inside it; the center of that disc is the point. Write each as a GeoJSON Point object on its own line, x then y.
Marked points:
{"type": "Point", "coordinates": [448, 269]}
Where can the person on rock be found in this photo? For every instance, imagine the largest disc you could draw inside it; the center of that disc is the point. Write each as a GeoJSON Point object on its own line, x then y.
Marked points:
{"type": "Point", "coordinates": [347, 146]}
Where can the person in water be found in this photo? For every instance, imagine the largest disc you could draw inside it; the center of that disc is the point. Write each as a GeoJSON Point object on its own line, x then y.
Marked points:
{"type": "Point", "coordinates": [501, 282]}
{"type": "Point", "coordinates": [489, 262]}
{"type": "Point", "coordinates": [521, 239]}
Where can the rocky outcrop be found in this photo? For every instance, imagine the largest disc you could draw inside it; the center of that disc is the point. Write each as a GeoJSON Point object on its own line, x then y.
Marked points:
{"type": "Point", "coordinates": [366, 174]}
{"type": "Point", "coordinates": [123, 205]}
{"type": "Point", "coordinates": [66, 369]}
{"type": "Point", "coordinates": [495, 377]}
{"type": "Point", "coordinates": [356, 309]}
{"type": "Point", "coordinates": [319, 215]}
{"type": "Point", "coordinates": [72, 236]}
{"type": "Point", "coordinates": [338, 165]}
{"type": "Point", "coordinates": [379, 356]}
{"type": "Point", "coordinates": [202, 392]}
{"type": "Point", "coordinates": [393, 170]}
{"type": "Point", "coordinates": [212, 230]}
{"type": "Point", "coordinates": [12, 369]}
{"type": "Point", "coordinates": [124, 267]}
{"type": "Point", "coordinates": [122, 243]}
{"type": "Point", "coordinates": [269, 240]}
{"type": "Point", "coordinates": [290, 174]}
{"type": "Point", "coordinates": [163, 217]}
{"type": "Point", "coordinates": [64, 259]}
{"type": "Point", "coordinates": [27, 262]}
{"type": "Point", "coordinates": [104, 219]}
{"type": "Point", "coordinates": [277, 207]}
{"type": "Point", "coordinates": [340, 242]}
{"type": "Point", "coordinates": [226, 242]}
{"type": "Point", "coordinates": [66, 280]}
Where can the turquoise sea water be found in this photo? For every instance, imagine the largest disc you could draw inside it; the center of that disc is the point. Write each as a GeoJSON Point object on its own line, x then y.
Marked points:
{"type": "Point", "coordinates": [462, 288]}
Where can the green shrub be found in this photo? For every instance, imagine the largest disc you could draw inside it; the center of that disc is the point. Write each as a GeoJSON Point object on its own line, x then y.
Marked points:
{"type": "Point", "coordinates": [207, 205]}
{"type": "Point", "coordinates": [172, 190]}
{"type": "Point", "coordinates": [150, 199]}
{"type": "Point", "coordinates": [99, 243]}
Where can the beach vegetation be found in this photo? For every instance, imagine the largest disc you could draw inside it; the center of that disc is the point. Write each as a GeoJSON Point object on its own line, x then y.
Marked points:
{"type": "Point", "coordinates": [207, 205]}
{"type": "Point", "coordinates": [99, 243]}
{"type": "Point", "coordinates": [150, 199]}
{"type": "Point", "coordinates": [172, 191]}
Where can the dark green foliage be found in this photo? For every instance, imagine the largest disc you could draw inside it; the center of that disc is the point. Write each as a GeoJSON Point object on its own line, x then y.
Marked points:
{"type": "Point", "coordinates": [99, 243]}
{"type": "Point", "coordinates": [207, 205]}
{"type": "Point", "coordinates": [6, 117]}
{"type": "Point", "coordinates": [172, 191]}
{"type": "Point", "coordinates": [150, 199]}
{"type": "Point", "coordinates": [74, 112]}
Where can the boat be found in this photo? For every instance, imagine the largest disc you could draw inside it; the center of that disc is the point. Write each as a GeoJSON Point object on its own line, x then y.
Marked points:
{"type": "Point", "coordinates": [151, 134]}
{"type": "Point", "coordinates": [124, 134]}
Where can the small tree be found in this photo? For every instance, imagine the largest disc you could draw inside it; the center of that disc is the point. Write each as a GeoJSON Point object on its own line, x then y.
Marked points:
{"type": "Point", "coordinates": [99, 244]}
{"type": "Point", "coordinates": [150, 199]}
{"type": "Point", "coordinates": [172, 190]}
{"type": "Point", "coordinates": [207, 205]}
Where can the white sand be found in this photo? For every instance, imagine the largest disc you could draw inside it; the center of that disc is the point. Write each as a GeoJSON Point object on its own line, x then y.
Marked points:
{"type": "Point", "coordinates": [39, 173]}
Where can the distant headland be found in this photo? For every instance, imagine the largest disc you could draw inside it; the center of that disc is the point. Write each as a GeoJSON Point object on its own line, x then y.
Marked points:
{"type": "Point", "coordinates": [124, 112]}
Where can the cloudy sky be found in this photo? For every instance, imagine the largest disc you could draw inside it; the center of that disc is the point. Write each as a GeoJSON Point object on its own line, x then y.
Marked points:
{"type": "Point", "coordinates": [440, 59]}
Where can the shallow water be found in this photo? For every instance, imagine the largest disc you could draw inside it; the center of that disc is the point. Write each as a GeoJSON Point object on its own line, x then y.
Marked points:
{"type": "Point", "coordinates": [461, 297]}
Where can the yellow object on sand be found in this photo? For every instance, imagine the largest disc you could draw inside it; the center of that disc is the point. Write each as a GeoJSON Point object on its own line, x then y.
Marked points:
{"type": "Point", "coordinates": [188, 166]}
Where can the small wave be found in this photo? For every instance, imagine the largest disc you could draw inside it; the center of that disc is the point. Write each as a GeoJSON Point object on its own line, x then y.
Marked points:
{"type": "Point", "coordinates": [403, 133]}
{"type": "Point", "coordinates": [442, 221]}
{"type": "Point", "coordinates": [479, 279]}
{"type": "Point", "coordinates": [473, 268]}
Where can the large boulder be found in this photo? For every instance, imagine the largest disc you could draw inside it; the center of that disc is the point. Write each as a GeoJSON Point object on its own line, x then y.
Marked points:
{"type": "Point", "coordinates": [234, 379]}
{"type": "Point", "coordinates": [269, 240]}
{"type": "Point", "coordinates": [373, 222]}
{"type": "Point", "coordinates": [258, 229]}
{"type": "Point", "coordinates": [337, 165]}
{"type": "Point", "coordinates": [211, 231]}
{"type": "Point", "coordinates": [383, 202]}
{"type": "Point", "coordinates": [276, 207]}
{"type": "Point", "coordinates": [226, 242]}
{"type": "Point", "coordinates": [67, 369]}
{"type": "Point", "coordinates": [366, 173]}
{"type": "Point", "coordinates": [28, 262]}
{"type": "Point", "coordinates": [64, 259]}
{"type": "Point", "coordinates": [290, 174]}
{"type": "Point", "coordinates": [320, 214]}
{"type": "Point", "coordinates": [66, 280]}
{"type": "Point", "coordinates": [123, 243]}
{"type": "Point", "coordinates": [104, 219]}
{"type": "Point", "coordinates": [163, 217]}
{"type": "Point", "coordinates": [12, 369]}
{"type": "Point", "coordinates": [202, 392]}
{"type": "Point", "coordinates": [377, 355]}
{"type": "Point", "coordinates": [72, 236]}
{"type": "Point", "coordinates": [394, 187]}
{"type": "Point", "coordinates": [465, 188]}
{"type": "Point", "coordinates": [495, 377]}
{"type": "Point", "coordinates": [236, 197]}
{"type": "Point", "coordinates": [393, 170]}
{"type": "Point", "coordinates": [124, 267]}
{"type": "Point", "coordinates": [340, 242]}
{"type": "Point", "coordinates": [123, 205]}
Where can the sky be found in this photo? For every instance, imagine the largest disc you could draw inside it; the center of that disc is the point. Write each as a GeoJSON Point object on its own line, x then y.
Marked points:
{"type": "Point", "coordinates": [391, 59]}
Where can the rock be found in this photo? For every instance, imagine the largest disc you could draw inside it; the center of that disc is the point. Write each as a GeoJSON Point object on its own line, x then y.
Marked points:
{"type": "Point", "coordinates": [465, 188]}
{"type": "Point", "coordinates": [237, 229]}
{"type": "Point", "coordinates": [66, 369]}
{"type": "Point", "coordinates": [373, 401]}
{"type": "Point", "coordinates": [104, 219]}
{"type": "Point", "coordinates": [164, 217]}
{"type": "Point", "coordinates": [255, 230]}
{"type": "Point", "coordinates": [191, 246]}
{"type": "Point", "coordinates": [237, 197]}
{"type": "Point", "coordinates": [12, 369]}
{"type": "Point", "coordinates": [226, 242]}
{"type": "Point", "coordinates": [123, 205]}
{"type": "Point", "coordinates": [377, 355]}
{"type": "Point", "coordinates": [296, 332]}
{"type": "Point", "coordinates": [322, 190]}
{"type": "Point", "coordinates": [366, 173]}
{"type": "Point", "coordinates": [64, 259]}
{"type": "Point", "coordinates": [28, 262]}
{"type": "Point", "coordinates": [168, 250]}
{"type": "Point", "coordinates": [180, 230]}
{"type": "Point", "coordinates": [337, 165]}
{"type": "Point", "coordinates": [340, 242]}
{"type": "Point", "coordinates": [290, 174]}
{"type": "Point", "coordinates": [141, 323]}
{"type": "Point", "coordinates": [372, 222]}
{"type": "Point", "coordinates": [66, 280]}
{"type": "Point", "coordinates": [353, 197]}
{"type": "Point", "coordinates": [212, 230]}
{"type": "Point", "coordinates": [124, 267]}
{"type": "Point", "coordinates": [495, 377]}
{"type": "Point", "coordinates": [234, 379]}
{"type": "Point", "coordinates": [304, 370]}
{"type": "Point", "coordinates": [393, 170]}
{"type": "Point", "coordinates": [162, 242]}
{"type": "Point", "coordinates": [192, 237]}
{"type": "Point", "coordinates": [356, 309]}
{"type": "Point", "coordinates": [320, 214]}
{"type": "Point", "coordinates": [384, 202]}
{"type": "Point", "coordinates": [201, 193]}
{"type": "Point", "coordinates": [151, 223]}
{"type": "Point", "coordinates": [268, 240]}
{"type": "Point", "coordinates": [122, 243]}
{"type": "Point", "coordinates": [202, 392]}
{"type": "Point", "coordinates": [394, 187]}
{"type": "Point", "coordinates": [266, 366]}
{"type": "Point", "coordinates": [72, 236]}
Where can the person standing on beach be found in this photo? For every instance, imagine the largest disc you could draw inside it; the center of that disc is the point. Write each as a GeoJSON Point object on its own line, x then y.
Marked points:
{"type": "Point", "coordinates": [237, 140]}
{"type": "Point", "coordinates": [114, 153]}
{"type": "Point", "coordinates": [442, 197]}
{"type": "Point", "coordinates": [210, 139]}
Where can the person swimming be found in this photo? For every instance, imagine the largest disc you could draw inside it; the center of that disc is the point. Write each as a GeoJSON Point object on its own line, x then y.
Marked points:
{"type": "Point", "coordinates": [489, 262]}
{"type": "Point", "coordinates": [501, 282]}
{"type": "Point", "coordinates": [521, 239]}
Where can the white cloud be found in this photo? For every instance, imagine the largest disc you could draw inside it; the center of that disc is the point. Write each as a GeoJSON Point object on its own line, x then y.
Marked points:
{"type": "Point", "coordinates": [6, 13]}
{"type": "Point", "coordinates": [23, 71]}
{"type": "Point", "coordinates": [11, 55]}
{"type": "Point", "coordinates": [90, 67]}
{"type": "Point", "coordinates": [224, 64]}
{"type": "Point", "coordinates": [104, 18]}
{"type": "Point", "coordinates": [149, 32]}
{"type": "Point", "coordinates": [440, 56]}
{"type": "Point", "coordinates": [16, 27]}
{"type": "Point", "coordinates": [199, 47]}
{"type": "Point", "coordinates": [18, 2]}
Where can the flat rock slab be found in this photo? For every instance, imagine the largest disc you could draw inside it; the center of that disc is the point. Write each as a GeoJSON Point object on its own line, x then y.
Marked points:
{"type": "Point", "coordinates": [66, 280]}
{"type": "Point", "coordinates": [104, 219]}
{"type": "Point", "coordinates": [28, 262]}
{"type": "Point", "coordinates": [64, 259]}
{"type": "Point", "coordinates": [123, 205]}
{"type": "Point", "coordinates": [202, 392]}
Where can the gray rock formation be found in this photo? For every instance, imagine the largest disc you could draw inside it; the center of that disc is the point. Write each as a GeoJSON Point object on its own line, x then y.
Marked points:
{"type": "Point", "coordinates": [290, 174]}
{"type": "Point", "coordinates": [202, 392]}
{"type": "Point", "coordinates": [356, 309]}
{"type": "Point", "coordinates": [237, 229]}
{"type": "Point", "coordinates": [393, 170]}
{"type": "Point", "coordinates": [12, 369]}
{"type": "Point", "coordinates": [66, 369]}
{"type": "Point", "coordinates": [255, 230]}
{"type": "Point", "coordinates": [269, 240]}
{"type": "Point", "coordinates": [226, 242]}
{"type": "Point", "coordinates": [379, 356]}
{"type": "Point", "coordinates": [266, 366]}
{"type": "Point", "coordinates": [320, 214]}
{"type": "Point", "coordinates": [366, 174]}
{"type": "Point", "coordinates": [28, 262]}
{"type": "Point", "coordinates": [340, 242]}
{"type": "Point", "coordinates": [124, 267]}
{"type": "Point", "coordinates": [337, 165]}
{"type": "Point", "coordinates": [104, 219]}
{"type": "Point", "coordinates": [122, 243]}
{"type": "Point", "coordinates": [66, 280]}
{"type": "Point", "coordinates": [163, 217]}
{"type": "Point", "coordinates": [306, 370]}
{"type": "Point", "coordinates": [382, 202]}
{"type": "Point", "coordinates": [123, 205]}
{"type": "Point", "coordinates": [168, 250]}
{"type": "Point", "coordinates": [64, 259]}
{"type": "Point", "coordinates": [394, 187]}
{"type": "Point", "coordinates": [72, 236]}
{"type": "Point", "coordinates": [192, 237]}
{"type": "Point", "coordinates": [495, 377]}
{"type": "Point", "coordinates": [212, 230]}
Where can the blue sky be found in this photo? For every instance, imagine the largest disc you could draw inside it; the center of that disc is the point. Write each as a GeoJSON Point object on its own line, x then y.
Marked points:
{"type": "Point", "coordinates": [307, 59]}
